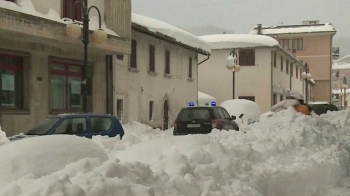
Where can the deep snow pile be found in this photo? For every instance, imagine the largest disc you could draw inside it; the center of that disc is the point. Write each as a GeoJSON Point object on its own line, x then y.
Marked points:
{"type": "Point", "coordinates": [3, 138]}
{"type": "Point", "coordinates": [289, 154]}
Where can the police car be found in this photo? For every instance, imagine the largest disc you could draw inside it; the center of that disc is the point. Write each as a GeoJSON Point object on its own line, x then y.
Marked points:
{"type": "Point", "coordinates": [202, 119]}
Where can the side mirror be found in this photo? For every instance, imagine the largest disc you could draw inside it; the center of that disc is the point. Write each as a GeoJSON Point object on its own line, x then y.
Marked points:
{"type": "Point", "coordinates": [240, 116]}
{"type": "Point", "coordinates": [233, 117]}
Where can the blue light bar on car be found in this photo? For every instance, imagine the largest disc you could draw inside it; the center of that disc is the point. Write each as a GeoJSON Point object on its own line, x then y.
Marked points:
{"type": "Point", "coordinates": [191, 104]}
{"type": "Point", "coordinates": [213, 103]}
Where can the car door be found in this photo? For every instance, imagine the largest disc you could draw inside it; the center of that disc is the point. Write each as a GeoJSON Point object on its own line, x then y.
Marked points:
{"type": "Point", "coordinates": [72, 126]}
{"type": "Point", "coordinates": [226, 119]}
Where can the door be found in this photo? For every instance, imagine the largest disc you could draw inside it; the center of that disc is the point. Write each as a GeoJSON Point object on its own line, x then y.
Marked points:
{"type": "Point", "coordinates": [165, 115]}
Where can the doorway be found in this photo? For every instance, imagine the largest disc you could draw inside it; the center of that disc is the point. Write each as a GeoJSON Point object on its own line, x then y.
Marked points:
{"type": "Point", "coordinates": [166, 115]}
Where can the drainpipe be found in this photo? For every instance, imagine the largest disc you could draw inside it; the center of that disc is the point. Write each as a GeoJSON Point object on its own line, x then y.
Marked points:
{"type": "Point", "coordinates": [208, 56]}
{"type": "Point", "coordinates": [271, 78]}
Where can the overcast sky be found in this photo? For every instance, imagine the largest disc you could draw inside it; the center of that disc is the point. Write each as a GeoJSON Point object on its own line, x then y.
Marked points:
{"type": "Point", "coordinates": [241, 15]}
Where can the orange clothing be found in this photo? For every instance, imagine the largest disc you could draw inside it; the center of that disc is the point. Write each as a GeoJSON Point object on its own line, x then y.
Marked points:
{"type": "Point", "coordinates": [302, 109]}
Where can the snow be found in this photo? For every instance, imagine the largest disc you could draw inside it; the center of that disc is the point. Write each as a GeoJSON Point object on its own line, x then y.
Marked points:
{"type": "Point", "coordinates": [205, 99]}
{"type": "Point", "coordinates": [27, 7]}
{"type": "Point", "coordinates": [228, 41]}
{"type": "Point", "coordinates": [236, 107]}
{"type": "Point", "coordinates": [289, 154]}
{"type": "Point", "coordinates": [340, 65]}
{"type": "Point", "coordinates": [40, 156]}
{"type": "Point", "coordinates": [319, 102]}
{"type": "Point", "coordinates": [337, 91]}
{"type": "Point", "coordinates": [291, 29]}
{"type": "Point", "coordinates": [169, 30]}
{"type": "Point", "coordinates": [3, 138]}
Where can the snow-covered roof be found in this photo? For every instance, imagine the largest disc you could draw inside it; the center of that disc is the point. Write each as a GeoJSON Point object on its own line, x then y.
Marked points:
{"type": "Point", "coordinates": [178, 34]}
{"type": "Point", "coordinates": [337, 91]}
{"type": "Point", "coordinates": [27, 7]}
{"type": "Point", "coordinates": [225, 41]}
{"type": "Point", "coordinates": [341, 66]}
{"type": "Point", "coordinates": [344, 59]}
{"type": "Point", "coordinates": [294, 29]}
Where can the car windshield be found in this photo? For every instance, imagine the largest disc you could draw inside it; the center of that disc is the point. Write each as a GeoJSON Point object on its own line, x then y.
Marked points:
{"type": "Point", "coordinates": [194, 114]}
{"type": "Point", "coordinates": [43, 127]}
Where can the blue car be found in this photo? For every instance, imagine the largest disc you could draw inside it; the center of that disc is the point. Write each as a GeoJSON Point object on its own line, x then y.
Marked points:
{"type": "Point", "coordinates": [85, 125]}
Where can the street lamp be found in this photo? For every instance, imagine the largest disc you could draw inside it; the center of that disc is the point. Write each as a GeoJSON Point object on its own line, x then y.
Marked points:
{"type": "Point", "coordinates": [306, 76]}
{"type": "Point", "coordinates": [73, 30]}
{"type": "Point", "coordinates": [344, 86]}
{"type": "Point", "coordinates": [232, 64]}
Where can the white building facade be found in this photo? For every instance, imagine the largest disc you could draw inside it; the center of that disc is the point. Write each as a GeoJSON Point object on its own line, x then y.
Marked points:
{"type": "Point", "coordinates": [41, 67]}
{"type": "Point", "coordinates": [268, 73]}
{"type": "Point", "coordinates": [160, 76]}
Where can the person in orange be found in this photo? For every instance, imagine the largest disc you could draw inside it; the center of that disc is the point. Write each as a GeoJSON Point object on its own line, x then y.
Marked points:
{"type": "Point", "coordinates": [303, 108]}
{"type": "Point", "coordinates": [290, 101]}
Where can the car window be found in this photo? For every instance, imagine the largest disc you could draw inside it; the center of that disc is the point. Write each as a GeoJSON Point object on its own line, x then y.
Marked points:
{"type": "Point", "coordinates": [43, 127]}
{"type": "Point", "coordinates": [72, 126]}
{"type": "Point", "coordinates": [222, 115]}
{"type": "Point", "coordinates": [217, 114]}
{"type": "Point", "coordinates": [226, 114]}
{"type": "Point", "coordinates": [194, 114]}
{"type": "Point", "coordinates": [100, 124]}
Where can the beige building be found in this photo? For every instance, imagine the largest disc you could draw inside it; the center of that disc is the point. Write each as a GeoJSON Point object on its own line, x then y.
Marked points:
{"type": "Point", "coordinates": [160, 76]}
{"type": "Point", "coordinates": [268, 72]}
{"type": "Point", "coordinates": [41, 67]}
{"type": "Point", "coordinates": [311, 43]}
{"type": "Point", "coordinates": [340, 76]}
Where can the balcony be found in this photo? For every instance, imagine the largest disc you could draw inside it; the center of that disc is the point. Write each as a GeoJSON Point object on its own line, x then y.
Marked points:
{"type": "Point", "coordinates": [41, 32]}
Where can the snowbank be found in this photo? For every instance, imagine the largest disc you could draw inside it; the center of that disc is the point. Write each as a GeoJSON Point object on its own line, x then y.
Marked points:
{"type": "Point", "coordinates": [178, 34]}
{"type": "Point", "coordinates": [205, 99]}
{"type": "Point", "coordinates": [289, 154]}
{"type": "Point", "coordinates": [3, 138]}
{"type": "Point", "coordinates": [229, 41]}
{"type": "Point", "coordinates": [40, 156]}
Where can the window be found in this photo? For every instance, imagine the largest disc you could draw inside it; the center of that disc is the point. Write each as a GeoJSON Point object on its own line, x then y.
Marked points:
{"type": "Point", "coordinates": [287, 66]}
{"type": "Point", "coordinates": [167, 62]}
{"type": "Point", "coordinates": [291, 69]}
{"type": "Point", "coordinates": [65, 87]}
{"type": "Point", "coordinates": [11, 81]}
{"type": "Point", "coordinates": [100, 124]}
{"type": "Point", "coordinates": [69, 11]}
{"type": "Point", "coordinates": [120, 57]}
{"type": "Point", "coordinates": [296, 71]}
{"type": "Point", "coordinates": [281, 63]}
{"type": "Point", "coordinates": [133, 57]}
{"type": "Point", "coordinates": [281, 97]}
{"type": "Point", "coordinates": [247, 57]}
{"type": "Point", "coordinates": [300, 44]}
{"type": "Point", "coordinates": [152, 67]}
{"type": "Point", "coordinates": [274, 99]}
{"type": "Point", "coordinates": [190, 68]}
{"type": "Point", "coordinates": [284, 43]}
{"type": "Point", "coordinates": [251, 98]}
{"type": "Point", "coordinates": [151, 110]}
{"type": "Point", "coordinates": [274, 59]}
{"type": "Point", "coordinates": [120, 109]}
{"type": "Point", "coordinates": [72, 126]}
{"type": "Point", "coordinates": [226, 114]}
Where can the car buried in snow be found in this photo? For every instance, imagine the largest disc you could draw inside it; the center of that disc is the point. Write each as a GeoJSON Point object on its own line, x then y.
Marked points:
{"type": "Point", "coordinates": [85, 125]}
{"type": "Point", "coordinates": [202, 119]}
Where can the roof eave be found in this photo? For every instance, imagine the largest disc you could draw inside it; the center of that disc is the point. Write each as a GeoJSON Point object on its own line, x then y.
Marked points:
{"type": "Point", "coordinates": [143, 29]}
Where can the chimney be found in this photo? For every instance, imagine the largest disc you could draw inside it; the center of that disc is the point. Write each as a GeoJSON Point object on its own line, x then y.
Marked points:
{"type": "Point", "coordinates": [259, 29]}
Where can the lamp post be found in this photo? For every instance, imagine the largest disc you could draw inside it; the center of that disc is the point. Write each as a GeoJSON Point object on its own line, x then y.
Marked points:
{"type": "Point", "coordinates": [73, 30]}
{"type": "Point", "coordinates": [306, 76]}
{"type": "Point", "coordinates": [232, 64]}
{"type": "Point", "coordinates": [344, 86]}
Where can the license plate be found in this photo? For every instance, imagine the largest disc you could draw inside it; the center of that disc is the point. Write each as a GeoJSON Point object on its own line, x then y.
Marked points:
{"type": "Point", "coordinates": [193, 125]}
